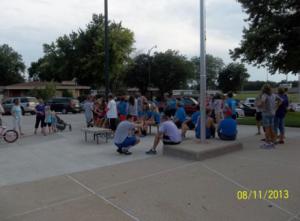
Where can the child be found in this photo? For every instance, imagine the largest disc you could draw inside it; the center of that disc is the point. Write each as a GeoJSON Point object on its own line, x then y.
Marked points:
{"type": "Point", "coordinates": [53, 121]}
{"type": "Point", "coordinates": [48, 118]}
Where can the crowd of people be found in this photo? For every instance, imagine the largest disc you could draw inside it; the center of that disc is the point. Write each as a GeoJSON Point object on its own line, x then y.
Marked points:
{"type": "Point", "coordinates": [130, 117]}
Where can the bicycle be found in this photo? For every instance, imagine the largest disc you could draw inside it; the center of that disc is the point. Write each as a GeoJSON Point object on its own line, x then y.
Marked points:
{"type": "Point", "coordinates": [10, 136]}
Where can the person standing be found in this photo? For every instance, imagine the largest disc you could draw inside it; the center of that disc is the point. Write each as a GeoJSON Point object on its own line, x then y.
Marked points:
{"type": "Point", "coordinates": [231, 104]}
{"type": "Point", "coordinates": [218, 106]}
{"type": "Point", "coordinates": [258, 113]}
{"type": "Point", "coordinates": [268, 116]}
{"type": "Point", "coordinates": [16, 112]}
{"type": "Point", "coordinates": [48, 118]}
{"type": "Point", "coordinates": [112, 113]}
{"type": "Point", "coordinates": [40, 117]}
{"type": "Point", "coordinates": [280, 115]}
{"type": "Point", "coordinates": [88, 108]}
{"type": "Point", "coordinates": [132, 108]}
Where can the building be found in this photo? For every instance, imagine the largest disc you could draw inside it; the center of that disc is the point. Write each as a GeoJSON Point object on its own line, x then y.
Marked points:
{"type": "Point", "coordinates": [24, 89]}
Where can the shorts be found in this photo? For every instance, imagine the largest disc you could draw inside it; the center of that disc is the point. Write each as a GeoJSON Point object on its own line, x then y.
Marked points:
{"type": "Point", "coordinates": [258, 116]}
{"type": "Point", "coordinates": [190, 125]}
{"type": "Point", "coordinates": [49, 124]}
{"type": "Point", "coordinates": [268, 120]}
{"type": "Point", "coordinates": [168, 141]}
{"type": "Point", "coordinates": [128, 142]}
{"type": "Point", "coordinates": [178, 124]}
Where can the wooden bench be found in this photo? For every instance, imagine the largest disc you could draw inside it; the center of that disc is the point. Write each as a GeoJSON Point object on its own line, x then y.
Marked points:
{"type": "Point", "coordinates": [97, 132]}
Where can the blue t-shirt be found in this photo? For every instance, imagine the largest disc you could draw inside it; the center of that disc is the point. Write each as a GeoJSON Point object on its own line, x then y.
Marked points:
{"type": "Point", "coordinates": [122, 107]}
{"type": "Point", "coordinates": [282, 109]}
{"type": "Point", "coordinates": [154, 115]}
{"type": "Point", "coordinates": [198, 129]}
{"type": "Point", "coordinates": [195, 116]}
{"type": "Point", "coordinates": [228, 127]}
{"type": "Point", "coordinates": [41, 109]}
{"type": "Point", "coordinates": [180, 114]}
{"type": "Point", "coordinates": [231, 103]}
{"type": "Point", "coordinates": [171, 103]}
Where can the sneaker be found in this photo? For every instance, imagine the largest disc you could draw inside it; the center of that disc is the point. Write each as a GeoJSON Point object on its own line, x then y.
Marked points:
{"type": "Point", "coordinates": [119, 151]}
{"type": "Point", "coordinates": [126, 152]}
{"type": "Point", "coordinates": [151, 151]}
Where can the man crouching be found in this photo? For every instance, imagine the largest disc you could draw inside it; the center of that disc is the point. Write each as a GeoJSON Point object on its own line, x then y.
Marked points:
{"type": "Point", "coordinates": [125, 135]}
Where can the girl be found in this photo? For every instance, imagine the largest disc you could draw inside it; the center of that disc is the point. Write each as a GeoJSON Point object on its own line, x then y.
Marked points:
{"type": "Point", "coordinates": [16, 112]}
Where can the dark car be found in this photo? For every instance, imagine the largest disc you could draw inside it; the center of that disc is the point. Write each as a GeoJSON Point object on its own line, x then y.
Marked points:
{"type": "Point", "coordinates": [64, 105]}
{"type": "Point", "coordinates": [27, 104]}
{"type": "Point", "coordinates": [249, 111]}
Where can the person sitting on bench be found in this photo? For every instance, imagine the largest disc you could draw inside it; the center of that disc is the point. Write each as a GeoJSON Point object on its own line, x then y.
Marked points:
{"type": "Point", "coordinates": [191, 123]}
{"type": "Point", "coordinates": [227, 129]}
{"type": "Point", "coordinates": [125, 135]}
{"type": "Point", "coordinates": [168, 133]}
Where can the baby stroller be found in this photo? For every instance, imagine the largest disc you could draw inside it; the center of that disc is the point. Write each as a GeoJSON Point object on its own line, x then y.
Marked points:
{"type": "Point", "coordinates": [61, 125]}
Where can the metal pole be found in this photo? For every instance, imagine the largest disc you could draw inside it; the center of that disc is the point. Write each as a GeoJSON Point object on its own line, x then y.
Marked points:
{"type": "Point", "coordinates": [106, 48]}
{"type": "Point", "coordinates": [202, 71]}
{"type": "Point", "coordinates": [299, 87]}
{"type": "Point", "coordinates": [149, 65]}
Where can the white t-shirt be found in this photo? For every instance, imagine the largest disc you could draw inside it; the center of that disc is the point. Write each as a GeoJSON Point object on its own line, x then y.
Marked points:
{"type": "Point", "coordinates": [112, 109]}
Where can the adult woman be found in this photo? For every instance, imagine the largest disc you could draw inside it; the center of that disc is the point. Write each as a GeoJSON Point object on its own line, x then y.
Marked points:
{"type": "Point", "coordinates": [40, 117]}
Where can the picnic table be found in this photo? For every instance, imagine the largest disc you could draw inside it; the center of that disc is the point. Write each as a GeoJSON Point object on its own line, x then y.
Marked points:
{"type": "Point", "coordinates": [97, 133]}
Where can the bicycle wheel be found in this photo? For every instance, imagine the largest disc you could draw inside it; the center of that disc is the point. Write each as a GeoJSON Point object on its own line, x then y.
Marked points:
{"type": "Point", "coordinates": [10, 136]}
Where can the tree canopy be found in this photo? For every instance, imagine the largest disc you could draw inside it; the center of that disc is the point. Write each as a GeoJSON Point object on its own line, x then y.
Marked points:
{"type": "Point", "coordinates": [168, 70]}
{"type": "Point", "coordinates": [213, 67]}
{"type": "Point", "coordinates": [80, 55]}
{"type": "Point", "coordinates": [273, 36]}
{"type": "Point", "coordinates": [11, 66]}
{"type": "Point", "coordinates": [233, 77]}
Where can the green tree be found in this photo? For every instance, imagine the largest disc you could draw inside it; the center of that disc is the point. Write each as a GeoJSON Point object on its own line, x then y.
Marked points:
{"type": "Point", "coordinates": [11, 66]}
{"type": "Point", "coordinates": [47, 93]}
{"type": "Point", "coordinates": [272, 38]}
{"type": "Point", "coordinates": [170, 70]}
{"type": "Point", "coordinates": [137, 74]}
{"type": "Point", "coordinates": [80, 55]}
{"type": "Point", "coordinates": [232, 77]}
{"type": "Point", "coordinates": [213, 66]}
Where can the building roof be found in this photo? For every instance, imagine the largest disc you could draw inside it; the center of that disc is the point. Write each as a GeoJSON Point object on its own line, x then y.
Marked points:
{"type": "Point", "coordinates": [42, 84]}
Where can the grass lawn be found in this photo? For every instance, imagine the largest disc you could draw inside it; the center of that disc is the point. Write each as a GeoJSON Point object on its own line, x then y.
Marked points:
{"type": "Point", "coordinates": [292, 120]}
{"type": "Point", "coordinates": [244, 95]}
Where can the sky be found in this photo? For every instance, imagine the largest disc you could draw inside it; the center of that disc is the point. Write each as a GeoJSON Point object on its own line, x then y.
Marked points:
{"type": "Point", "coordinates": [169, 24]}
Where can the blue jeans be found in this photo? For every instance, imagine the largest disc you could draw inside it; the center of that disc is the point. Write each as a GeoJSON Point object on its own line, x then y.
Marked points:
{"type": "Point", "coordinates": [279, 125]}
{"type": "Point", "coordinates": [127, 143]}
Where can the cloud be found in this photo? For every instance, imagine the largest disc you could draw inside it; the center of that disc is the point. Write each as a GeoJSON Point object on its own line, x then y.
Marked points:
{"type": "Point", "coordinates": [169, 24]}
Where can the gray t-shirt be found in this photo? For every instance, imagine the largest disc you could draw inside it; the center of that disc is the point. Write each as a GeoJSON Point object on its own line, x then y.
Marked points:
{"type": "Point", "coordinates": [124, 130]}
{"type": "Point", "coordinates": [168, 128]}
{"type": "Point", "coordinates": [269, 104]}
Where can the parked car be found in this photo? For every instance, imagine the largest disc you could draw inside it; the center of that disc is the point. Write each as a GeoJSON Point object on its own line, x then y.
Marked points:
{"type": "Point", "coordinates": [294, 107]}
{"type": "Point", "coordinates": [64, 105]}
{"type": "Point", "coordinates": [240, 112]}
{"type": "Point", "coordinates": [250, 101]}
{"type": "Point", "coordinates": [28, 104]}
{"type": "Point", "coordinates": [249, 111]}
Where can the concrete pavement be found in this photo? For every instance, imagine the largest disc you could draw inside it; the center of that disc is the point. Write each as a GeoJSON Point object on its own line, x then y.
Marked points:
{"type": "Point", "coordinates": [94, 183]}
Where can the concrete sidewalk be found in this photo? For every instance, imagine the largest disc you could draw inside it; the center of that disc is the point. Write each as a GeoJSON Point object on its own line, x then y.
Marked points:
{"type": "Point", "coordinates": [164, 188]}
